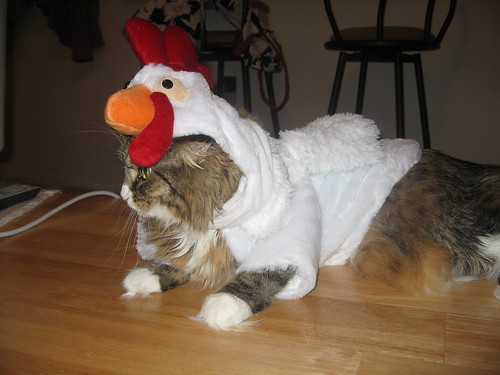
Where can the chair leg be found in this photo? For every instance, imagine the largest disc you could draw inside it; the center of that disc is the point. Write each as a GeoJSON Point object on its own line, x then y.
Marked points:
{"type": "Point", "coordinates": [426, 138]}
{"type": "Point", "coordinates": [361, 86]}
{"type": "Point", "coordinates": [245, 78]}
{"type": "Point", "coordinates": [220, 78]}
{"type": "Point", "coordinates": [400, 120]}
{"type": "Point", "coordinates": [337, 83]}
{"type": "Point", "coordinates": [272, 100]}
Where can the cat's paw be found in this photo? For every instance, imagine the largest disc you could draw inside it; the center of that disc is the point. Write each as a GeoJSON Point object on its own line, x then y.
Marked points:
{"type": "Point", "coordinates": [141, 282]}
{"type": "Point", "coordinates": [224, 311]}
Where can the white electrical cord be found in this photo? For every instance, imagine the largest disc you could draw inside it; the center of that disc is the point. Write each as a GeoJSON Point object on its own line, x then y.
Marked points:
{"type": "Point", "coordinates": [56, 210]}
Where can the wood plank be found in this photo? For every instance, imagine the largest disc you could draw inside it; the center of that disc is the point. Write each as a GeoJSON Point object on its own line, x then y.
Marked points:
{"type": "Point", "coordinates": [361, 326]}
{"type": "Point", "coordinates": [475, 298]}
{"type": "Point", "coordinates": [473, 341]}
{"type": "Point", "coordinates": [376, 364]}
{"type": "Point", "coordinates": [61, 313]}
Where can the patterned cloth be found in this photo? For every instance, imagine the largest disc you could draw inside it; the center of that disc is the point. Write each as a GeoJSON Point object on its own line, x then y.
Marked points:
{"type": "Point", "coordinates": [183, 13]}
{"type": "Point", "coordinates": [259, 47]}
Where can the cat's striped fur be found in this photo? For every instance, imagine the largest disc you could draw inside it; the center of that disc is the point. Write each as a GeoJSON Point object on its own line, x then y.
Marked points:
{"type": "Point", "coordinates": [439, 225]}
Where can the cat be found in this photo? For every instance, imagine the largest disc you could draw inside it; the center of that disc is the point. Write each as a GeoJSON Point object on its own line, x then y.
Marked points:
{"type": "Point", "coordinates": [439, 225]}
{"type": "Point", "coordinates": [175, 201]}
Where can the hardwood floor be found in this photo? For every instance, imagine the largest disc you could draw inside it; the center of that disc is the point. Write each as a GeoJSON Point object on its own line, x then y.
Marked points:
{"type": "Point", "coordinates": [61, 313]}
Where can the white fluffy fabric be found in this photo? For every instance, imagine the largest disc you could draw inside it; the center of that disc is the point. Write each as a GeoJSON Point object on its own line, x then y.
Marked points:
{"type": "Point", "coordinates": [305, 200]}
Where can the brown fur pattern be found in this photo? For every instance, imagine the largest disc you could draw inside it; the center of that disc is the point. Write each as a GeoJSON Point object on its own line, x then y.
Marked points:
{"type": "Point", "coordinates": [204, 257]}
{"type": "Point", "coordinates": [429, 232]}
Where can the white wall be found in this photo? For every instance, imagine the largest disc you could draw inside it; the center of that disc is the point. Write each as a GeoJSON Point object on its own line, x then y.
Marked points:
{"type": "Point", "coordinates": [56, 106]}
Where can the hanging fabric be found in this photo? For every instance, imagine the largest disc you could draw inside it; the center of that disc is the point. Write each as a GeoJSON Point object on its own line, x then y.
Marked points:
{"type": "Point", "coordinates": [183, 13]}
{"type": "Point", "coordinates": [258, 47]}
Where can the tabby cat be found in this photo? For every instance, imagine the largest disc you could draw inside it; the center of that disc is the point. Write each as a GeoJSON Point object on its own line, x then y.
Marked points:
{"type": "Point", "coordinates": [434, 229]}
{"type": "Point", "coordinates": [176, 200]}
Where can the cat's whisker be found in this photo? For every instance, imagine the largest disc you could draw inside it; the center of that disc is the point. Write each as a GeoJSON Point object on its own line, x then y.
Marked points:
{"type": "Point", "coordinates": [127, 232]}
{"type": "Point", "coordinates": [132, 237]}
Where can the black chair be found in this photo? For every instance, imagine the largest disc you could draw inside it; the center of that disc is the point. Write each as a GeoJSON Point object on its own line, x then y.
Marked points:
{"type": "Point", "coordinates": [381, 43]}
{"type": "Point", "coordinates": [219, 46]}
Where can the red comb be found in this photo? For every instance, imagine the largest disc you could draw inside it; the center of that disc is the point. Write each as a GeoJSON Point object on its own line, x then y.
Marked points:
{"type": "Point", "coordinates": [171, 47]}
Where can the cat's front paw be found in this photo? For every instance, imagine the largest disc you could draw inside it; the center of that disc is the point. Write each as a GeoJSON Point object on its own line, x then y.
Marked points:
{"type": "Point", "coordinates": [141, 281]}
{"type": "Point", "coordinates": [224, 311]}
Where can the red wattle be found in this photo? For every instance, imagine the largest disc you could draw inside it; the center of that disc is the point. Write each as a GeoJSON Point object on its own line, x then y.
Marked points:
{"type": "Point", "coordinates": [152, 143]}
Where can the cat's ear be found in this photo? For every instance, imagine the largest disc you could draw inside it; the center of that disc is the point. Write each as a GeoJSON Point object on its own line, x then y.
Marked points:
{"type": "Point", "coordinates": [194, 153]}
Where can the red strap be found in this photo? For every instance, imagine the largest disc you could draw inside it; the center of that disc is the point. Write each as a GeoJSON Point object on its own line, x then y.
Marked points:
{"type": "Point", "coordinates": [287, 80]}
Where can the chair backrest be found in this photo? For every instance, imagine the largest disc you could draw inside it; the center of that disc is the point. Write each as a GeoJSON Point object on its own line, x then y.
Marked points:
{"type": "Point", "coordinates": [380, 22]}
{"type": "Point", "coordinates": [231, 16]}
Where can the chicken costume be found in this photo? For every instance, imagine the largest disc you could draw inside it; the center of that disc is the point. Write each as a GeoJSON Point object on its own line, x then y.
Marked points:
{"type": "Point", "coordinates": [305, 200]}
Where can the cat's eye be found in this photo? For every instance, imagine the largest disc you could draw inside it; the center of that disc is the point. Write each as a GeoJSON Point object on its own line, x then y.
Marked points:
{"type": "Point", "coordinates": [173, 88]}
{"type": "Point", "coordinates": [144, 173]}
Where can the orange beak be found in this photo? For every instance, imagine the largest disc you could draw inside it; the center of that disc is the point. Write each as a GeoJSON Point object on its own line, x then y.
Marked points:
{"type": "Point", "coordinates": [131, 110]}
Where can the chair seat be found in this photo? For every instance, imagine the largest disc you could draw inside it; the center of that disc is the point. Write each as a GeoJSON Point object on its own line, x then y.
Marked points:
{"type": "Point", "coordinates": [381, 43]}
{"type": "Point", "coordinates": [395, 38]}
{"type": "Point", "coordinates": [225, 38]}
{"type": "Point", "coordinates": [220, 41]}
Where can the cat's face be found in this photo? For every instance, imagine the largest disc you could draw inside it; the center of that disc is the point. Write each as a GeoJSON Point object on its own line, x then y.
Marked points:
{"type": "Point", "coordinates": [194, 178]}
